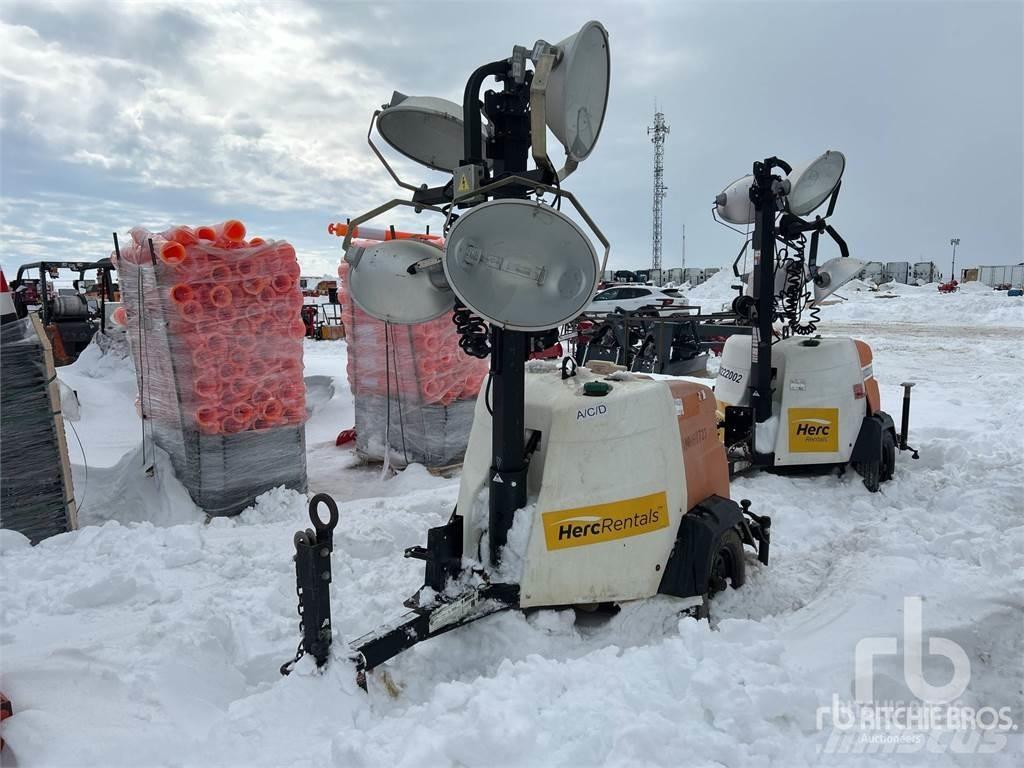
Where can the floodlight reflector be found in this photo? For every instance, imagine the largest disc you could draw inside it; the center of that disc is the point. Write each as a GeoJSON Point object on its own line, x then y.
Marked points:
{"type": "Point", "coordinates": [577, 91]}
{"type": "Point", "coordinates": [812, 183]}
{"type": "Point", "coordinates": [834, 274]}
{"type": "Point", "coordinates": [425, 129]}
{"type": "Point", "coordinates": [734, 204]}
{"type": "Point", "coordinates": [382, 286]}
{"type": "Point", "coordinates": [521, 265]}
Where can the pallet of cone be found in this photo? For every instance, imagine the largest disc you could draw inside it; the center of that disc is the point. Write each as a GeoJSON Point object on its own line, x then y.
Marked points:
{"type": "Point", "coordinates": [424, 374]}
{"type": "Point", "coordinates": [228, 309]}
{"type": "Point", "coordinates": [424, 361]}
{"type": "Point", "coordinates": [213, 323]}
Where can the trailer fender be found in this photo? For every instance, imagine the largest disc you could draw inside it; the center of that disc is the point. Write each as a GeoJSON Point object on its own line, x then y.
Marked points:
{"type": "Point", "coordinates": [697, 539]}
{"type": "Point", "coordinates": [868, 447]}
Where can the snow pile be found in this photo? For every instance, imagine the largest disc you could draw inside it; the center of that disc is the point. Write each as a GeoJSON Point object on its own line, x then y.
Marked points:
{"type": "Point", "coordinates": [974, 286]}
{"type": "Point", "coordinates": [135, 491]}
{"type": "Point", "coordinates": [610, 706]}
{"type": "Point", "coordinates": [857, 285]}
{"type": "Point", "coordinates": [716, 293]}
{"type": "Point", "coordinates": [895, 302]}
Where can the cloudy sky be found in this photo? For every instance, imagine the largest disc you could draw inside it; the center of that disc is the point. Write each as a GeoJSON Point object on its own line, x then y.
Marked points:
{"type": "Point", "coordinates": [115, 114]}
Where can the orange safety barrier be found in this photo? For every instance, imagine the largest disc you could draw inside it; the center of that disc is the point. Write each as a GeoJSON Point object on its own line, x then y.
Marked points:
{"type": "Point", "coordinates": [380, 235]}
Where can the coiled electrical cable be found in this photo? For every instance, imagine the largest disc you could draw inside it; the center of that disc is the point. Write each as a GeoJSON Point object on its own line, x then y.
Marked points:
{"type": "Point", "coordinates": [472, 330]}
{"type": "Point", "coordinates": [795, 300]}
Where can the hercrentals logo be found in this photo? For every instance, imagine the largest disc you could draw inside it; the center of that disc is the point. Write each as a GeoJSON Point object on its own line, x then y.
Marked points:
{"type": "Point", "coordinates": [813, 430]}
{"type": "Point", "coordinates": [605, 522]}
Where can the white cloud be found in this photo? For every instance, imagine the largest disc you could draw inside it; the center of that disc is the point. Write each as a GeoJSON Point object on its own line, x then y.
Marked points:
{"type": "Point", "coordinates": [250, 110]}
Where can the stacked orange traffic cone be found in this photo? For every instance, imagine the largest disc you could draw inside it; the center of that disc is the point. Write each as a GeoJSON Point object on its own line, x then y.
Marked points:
{"type": "Point", "coordinates": [411, 382]}
{"type": "Point", "coordinates": [230, 311]}
{"type": "Point", "coordinates": [424, 360]}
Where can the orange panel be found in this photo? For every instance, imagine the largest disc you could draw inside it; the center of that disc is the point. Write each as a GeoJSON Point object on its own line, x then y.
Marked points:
{"type": "Point", "coordinates": [707, 471]}
{"type": "Point", "coordinates": [870, 385]}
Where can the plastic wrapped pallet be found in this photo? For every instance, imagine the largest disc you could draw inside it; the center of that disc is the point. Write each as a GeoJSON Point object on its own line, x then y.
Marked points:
{"type": "Point", "coordinates": [214, 327]}
{"type": "Point", "coordinates": [36, 494]}
{"type": "Point", "coordinates": [414, 389]}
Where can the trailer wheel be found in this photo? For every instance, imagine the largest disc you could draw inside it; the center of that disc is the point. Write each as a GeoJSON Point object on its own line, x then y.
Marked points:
{"type": "Point", "coordinates": [871, 471]}
{"type": "Point", "coordinates": [728, 563]}
{"type": "Point", "coordinates": [888, 463]}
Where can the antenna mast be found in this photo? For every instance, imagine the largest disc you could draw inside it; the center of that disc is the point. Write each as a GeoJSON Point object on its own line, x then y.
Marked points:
{"type": "Point", "coordinates": [657, 133]}
{"type": "Point", "coordinates": [683, 265]}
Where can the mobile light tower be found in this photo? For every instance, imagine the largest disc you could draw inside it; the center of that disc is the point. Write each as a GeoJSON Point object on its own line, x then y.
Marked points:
{"type": "Point", "coordinates": [657, 132]}
{"type": "Point", "coordinates": [514, 265]}
{"type": "Point", "coordinates": [953, 241]}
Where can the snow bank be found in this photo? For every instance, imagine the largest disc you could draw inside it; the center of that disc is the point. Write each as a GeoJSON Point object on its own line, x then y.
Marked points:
{"type": "Point", "coordinates": [973, 305]}
{"type": "Point", "coordinates": [895, 302]}
{"type": "Point", "coordinates": [716, 293]}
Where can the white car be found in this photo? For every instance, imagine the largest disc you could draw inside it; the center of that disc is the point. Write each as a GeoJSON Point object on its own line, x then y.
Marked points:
{"type": "Point", "coordinates": [634, 298]}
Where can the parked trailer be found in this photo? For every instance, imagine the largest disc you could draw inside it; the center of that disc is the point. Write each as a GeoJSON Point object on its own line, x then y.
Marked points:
{"type": "Point", "coordinates": [897, 271]}
{"type": "Point", "coordinates": [926, 272]}
{"type": "Point", "coordinates": [873, 271]}
{"type": "Point", "coordinates": [694, 276]}
{"type": "Point", "coordinates": [1002, 275]}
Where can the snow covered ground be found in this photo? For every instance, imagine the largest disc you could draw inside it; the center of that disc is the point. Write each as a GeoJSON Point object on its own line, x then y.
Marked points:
{"type": "Point", "coordinates": [149, 638]}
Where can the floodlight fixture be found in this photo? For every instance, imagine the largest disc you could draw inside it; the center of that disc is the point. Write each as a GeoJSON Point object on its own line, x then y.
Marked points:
{"type": "Point", "coordinates": [569, 93]}
{"type": "Point", "coordinates": [811, 184]}
{"type": "Point", "coordinates": [734, 205]}
{"type": "Point", "coordinates": [388, 281]}
{"type": "Point", "coordinates": [577, 94]}
{"type": "Point", "coordinates": [521, 265]}
{"type": "Point", "coordinates": [426, 129]}
{"type": "Point", "coordinates": [834, 274]}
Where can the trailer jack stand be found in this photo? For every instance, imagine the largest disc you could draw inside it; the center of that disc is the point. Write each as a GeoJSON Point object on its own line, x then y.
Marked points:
{"type": "Point", "coordinates": [757, 528]}
{"type": "Point", "coordinates": [313, 582]}
{"type": "Point", "coordinates": [905, 420]}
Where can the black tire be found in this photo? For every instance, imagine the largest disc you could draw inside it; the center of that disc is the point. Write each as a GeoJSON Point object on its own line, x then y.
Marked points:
{"type": "Point", "coordinates": [727, 563]}
{"type": "Point", "coordinates": [888, 464]}
{"type": "Point", "coordinates": [871, 471]}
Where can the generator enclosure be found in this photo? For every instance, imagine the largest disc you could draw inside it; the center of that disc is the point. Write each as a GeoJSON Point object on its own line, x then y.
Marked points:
{"type": "Point", "coordinates": [822, 390]}
{"type": "Point", "coordinates": [608, 483]}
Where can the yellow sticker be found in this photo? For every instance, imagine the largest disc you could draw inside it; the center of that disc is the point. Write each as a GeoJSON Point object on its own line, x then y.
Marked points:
{"type": "Point", "coordinates": [463, 184]}
{"type": "Point", "coordinates": [605, 522]}
{"type": "Point", "coordinates": [813, 430]}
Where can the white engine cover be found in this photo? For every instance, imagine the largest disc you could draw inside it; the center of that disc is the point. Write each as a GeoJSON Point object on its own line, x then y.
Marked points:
{"type": "Point", "coordinates": [606, 489]}
{"type": "Point", "coordinates": [818, 395]}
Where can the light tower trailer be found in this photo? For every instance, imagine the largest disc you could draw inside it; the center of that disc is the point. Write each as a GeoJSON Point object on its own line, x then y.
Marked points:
{"type": "Point", "coordinates": [798, 401]}
{"type": "Point", "coordinates": [577, 490]}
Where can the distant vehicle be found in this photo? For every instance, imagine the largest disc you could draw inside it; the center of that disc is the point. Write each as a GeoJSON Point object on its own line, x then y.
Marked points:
{"type": "Point", "coordinates": [70, 316]}
{"type": "Point", "coordinates": [637, 298]}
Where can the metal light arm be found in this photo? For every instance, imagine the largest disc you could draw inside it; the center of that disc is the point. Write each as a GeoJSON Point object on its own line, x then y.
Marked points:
{"type": "Point", "coordinates": [543, 64]}
{"type": "Point", "coordinates": [384, 162]}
